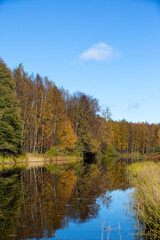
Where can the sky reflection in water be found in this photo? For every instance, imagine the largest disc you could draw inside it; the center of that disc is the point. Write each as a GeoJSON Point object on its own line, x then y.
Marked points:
{"type": "Point", "coordinates": [112, 217]}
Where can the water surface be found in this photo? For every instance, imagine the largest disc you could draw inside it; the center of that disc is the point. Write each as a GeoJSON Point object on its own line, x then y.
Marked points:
{"type": "Point", "coordinates": [71, 201]}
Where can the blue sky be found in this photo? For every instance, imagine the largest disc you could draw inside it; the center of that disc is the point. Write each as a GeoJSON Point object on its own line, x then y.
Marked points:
{"type": "Point", "coordinates": [109, 49]}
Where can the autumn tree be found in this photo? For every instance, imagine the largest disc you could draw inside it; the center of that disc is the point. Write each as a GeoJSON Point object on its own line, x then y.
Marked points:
{"type": "Point", "coordinates": [53, 117]}
{"type": "Point", "coordinates": [10, 120]}
{"type": "Point", "coordinates": [82, 112]}
{"type": "Point", "coordinates": [105, 133]}
{"type": "Point", "coordinates": [56, 125]}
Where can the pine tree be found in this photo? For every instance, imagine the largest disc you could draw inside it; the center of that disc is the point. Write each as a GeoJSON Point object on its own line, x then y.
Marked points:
{"type": "Point", "coordinates": [10, 120]}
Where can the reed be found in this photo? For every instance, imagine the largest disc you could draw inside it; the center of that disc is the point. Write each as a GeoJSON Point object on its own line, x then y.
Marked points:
{"type": "Point", "coordinates": [145, 176]}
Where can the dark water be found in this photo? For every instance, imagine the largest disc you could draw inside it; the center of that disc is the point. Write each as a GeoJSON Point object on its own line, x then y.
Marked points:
{"type": "Point", "coordinates": [72, 201]}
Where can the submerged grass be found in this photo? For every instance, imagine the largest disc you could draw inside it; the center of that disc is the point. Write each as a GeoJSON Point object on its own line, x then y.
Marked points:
{"type": "Point", "coordinates": [145, 176]}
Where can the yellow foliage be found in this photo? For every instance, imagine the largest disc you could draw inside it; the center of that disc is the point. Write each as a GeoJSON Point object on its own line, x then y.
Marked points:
{"type": "Point", "coordinates": [67, 136]}
{"type": "Point", "coordinates": [67, 182]}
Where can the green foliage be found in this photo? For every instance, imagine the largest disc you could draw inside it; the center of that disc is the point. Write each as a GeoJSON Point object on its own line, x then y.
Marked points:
{"type": "Point", "coordinates": [12, 159]}
{"type": "Point", "coordinates": [10, 121]}
{"type": "Point", "coordinates": [10, 199]}
{"type": "Point", "coordinates": [109, 162]}
{"type": "Point", "coordinates": [6, 159]}
{"type": "Point", "coordinates": [78, 150]}
{"type": "Point", "coordinates": [52, 152]}
{"type": "Point", "coordinates": [111, 151]}
{"type": "Point", "coordinates": [59, 151]}
{"type": "Point", "coordinates": [55, 151]}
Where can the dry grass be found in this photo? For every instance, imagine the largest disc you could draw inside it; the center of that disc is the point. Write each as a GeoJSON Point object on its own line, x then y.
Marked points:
{"type": "Point", "coordinates": [145, 177]}
{"type": "Point", "coordinates": [152, 157]}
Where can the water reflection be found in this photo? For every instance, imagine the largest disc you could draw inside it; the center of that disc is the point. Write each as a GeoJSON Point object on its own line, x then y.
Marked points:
{"type": "Point", "coordinates": [39, 202]}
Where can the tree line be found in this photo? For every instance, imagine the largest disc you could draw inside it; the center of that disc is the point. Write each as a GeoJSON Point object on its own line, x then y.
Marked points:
{"type": "Point", "coordinates": [36, 116]}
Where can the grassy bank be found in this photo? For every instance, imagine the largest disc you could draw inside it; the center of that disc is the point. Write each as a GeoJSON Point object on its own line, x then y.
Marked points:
{"type": "Point", "coordinates": [13, 159]}
{"type": "Point", "coordinates": [145, 177]}
{"type": "Point", "coordinates": [31, 157]}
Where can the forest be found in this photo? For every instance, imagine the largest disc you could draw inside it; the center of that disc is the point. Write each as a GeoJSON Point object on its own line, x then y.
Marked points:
{"type": "Point", "coordinates": [38, 117]}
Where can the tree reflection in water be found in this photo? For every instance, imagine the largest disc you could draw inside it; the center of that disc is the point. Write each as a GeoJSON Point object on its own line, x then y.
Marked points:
{"type": "Point", "coordinates": [36, 202]}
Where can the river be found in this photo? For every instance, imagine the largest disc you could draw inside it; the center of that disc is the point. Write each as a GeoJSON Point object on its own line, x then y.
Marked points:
{"type": "Point", "coordinates": [73, 201]}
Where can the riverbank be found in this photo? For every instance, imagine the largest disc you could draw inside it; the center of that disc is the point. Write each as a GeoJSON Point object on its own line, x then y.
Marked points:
{"type": "Point", "coordinates": [145, 177]}
{"type": "Point", "coordinates": [34, 157]}
{"type": "Point", "coordinates": [13, 159]}
{"type": "Point", "coordinates": [31, 159]}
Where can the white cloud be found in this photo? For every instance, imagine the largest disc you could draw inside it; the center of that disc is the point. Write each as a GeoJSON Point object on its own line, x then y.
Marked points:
{"type": "Point", "coordinates": [99, 52]}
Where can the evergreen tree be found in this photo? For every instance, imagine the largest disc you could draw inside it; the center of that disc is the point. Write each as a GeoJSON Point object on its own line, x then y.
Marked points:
{"type": "Point", "coordinates": [10, 120]}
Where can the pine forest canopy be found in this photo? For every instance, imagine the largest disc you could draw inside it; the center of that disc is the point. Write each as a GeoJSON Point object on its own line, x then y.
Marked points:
{"type": "Point", "coordinates": [10, 120]}
{"type": "Point", "coordinates": [52, 118]}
